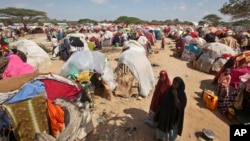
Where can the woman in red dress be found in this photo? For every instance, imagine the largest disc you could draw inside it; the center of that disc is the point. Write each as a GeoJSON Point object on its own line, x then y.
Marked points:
{"type": "Point", "coordinates": [160, 90]}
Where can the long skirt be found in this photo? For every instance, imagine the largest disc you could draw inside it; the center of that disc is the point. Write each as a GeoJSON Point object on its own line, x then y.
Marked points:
{"type": "Point", "coordinates": [167, 136]}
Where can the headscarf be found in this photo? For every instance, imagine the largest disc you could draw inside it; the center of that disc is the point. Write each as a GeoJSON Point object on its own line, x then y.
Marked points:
{"type": "Point", "coordinates": [181, 87]}
{"type": "Point", "coordinates": [160, 90]}
{"type": "Point", "coordinates": [163, 85]}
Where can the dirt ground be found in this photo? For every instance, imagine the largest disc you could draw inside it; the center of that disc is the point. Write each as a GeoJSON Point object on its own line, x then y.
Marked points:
{"type": "Point", "coordinates": [121, 119]}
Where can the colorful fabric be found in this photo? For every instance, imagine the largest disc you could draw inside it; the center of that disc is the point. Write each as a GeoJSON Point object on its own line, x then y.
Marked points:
{"type": "Point", "coordinates": [28, 91]}
{"type": "Point", "coordinates": [56, 89]}
{"type": "Point", "coordinates": [227, 102]}
{"type": "Point", "coordinates": [160, 90]}
{"type": "Point", "coordinates": [56, 118]}
{"type": "Point", "coordinates": [16, 67]}
{"type": "Point", "coordinates": [236, 73]}
{"type": "Point", "coordinates": [28, 117]}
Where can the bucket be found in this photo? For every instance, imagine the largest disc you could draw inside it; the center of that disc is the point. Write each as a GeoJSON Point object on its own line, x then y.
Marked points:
{"type": "Point", "coordinates": [116, 44]}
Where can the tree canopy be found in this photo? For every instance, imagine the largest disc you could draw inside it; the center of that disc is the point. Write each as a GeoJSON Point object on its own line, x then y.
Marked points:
{"type": "Point", "coordinates": [237, 9]}
{"type": "Point", "coordinates": [212, 19]}
{"type": "Point", "coordinates": [22, 15]}
{"type": "Point", "coordinates": [128, 20]}
{"type": "Point", "coordinates": [85, 21]}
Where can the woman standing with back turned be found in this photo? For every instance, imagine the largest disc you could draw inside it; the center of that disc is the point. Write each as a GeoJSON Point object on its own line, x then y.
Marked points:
{"type": "Point", "coordinates": [170, 115]}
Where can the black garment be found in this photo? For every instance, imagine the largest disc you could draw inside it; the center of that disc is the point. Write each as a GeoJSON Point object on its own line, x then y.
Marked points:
{"type": "Point", "coordinates": [168, 115]}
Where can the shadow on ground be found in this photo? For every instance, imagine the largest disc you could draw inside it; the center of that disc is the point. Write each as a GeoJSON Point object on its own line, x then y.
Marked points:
{"type": "Point", "coordinates": [113, 127]}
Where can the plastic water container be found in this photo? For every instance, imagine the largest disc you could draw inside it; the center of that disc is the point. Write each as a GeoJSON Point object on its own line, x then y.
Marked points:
{"type": "Point", "coordinates": [116, 44]}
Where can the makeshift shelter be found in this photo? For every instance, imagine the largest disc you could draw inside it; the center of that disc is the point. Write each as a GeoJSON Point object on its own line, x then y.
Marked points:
{"type": "Point", "coordinates": [134, 45]}
{"type": "Point", "coordinates": [239, 65]}
{"type": "Point", "coordinates": [36, 56]}
{"type": "Point", "coordinates": [210, 53]}
{"type": "Point", "coordinates": [158, 33]}
{"type": "Point", "coordinates": [134, 73]}
{"type": "Point", "coordinates": [106, 39]}
{"type": "Point", "coordinates": [71, 43]}
{"type": "Point", "coordinates": [237, 104]}
{"type": "Point", "coordinates": [94, 62]}
{"type": "Point", "coordinates": [27, 105]}
{"type": "Point", "coordinates": [190, 52]}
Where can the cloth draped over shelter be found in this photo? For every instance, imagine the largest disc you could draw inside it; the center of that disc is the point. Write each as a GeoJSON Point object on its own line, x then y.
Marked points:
{"type": "Point", "coordinates": [141, 68]}
{"type": "Point", "coordinates": [36, 56]}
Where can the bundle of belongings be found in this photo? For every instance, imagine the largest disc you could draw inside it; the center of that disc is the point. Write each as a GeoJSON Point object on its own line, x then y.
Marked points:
{"type": "Point", "coordinates": [86, 66]}
{"type": "Point", "coordinates": [210, 53]}
{"type": "Point", "coordinates": [32, 108]}
{"type": "Point", "coordinates": [237, 104]}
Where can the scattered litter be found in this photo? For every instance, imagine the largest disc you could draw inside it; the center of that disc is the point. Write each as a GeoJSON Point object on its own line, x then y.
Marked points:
{"type": "Point", "coordinates": [155, 65]}
{"type": "Point", "coordinates": [100, 119]}
{"type": "Point", "coordinates": [208, 133]}
{"type": "Point", "coordinates": [139, 98]}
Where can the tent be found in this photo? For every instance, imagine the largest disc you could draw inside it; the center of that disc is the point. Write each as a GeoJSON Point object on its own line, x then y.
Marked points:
{"type": "Point", "coordinates": [210, 53]}
{"type": "Point", "coordinates": [93, 62]}
{"type": "Point", "coordinates": [106, 38]}
{"type": "Point", "coordinates": [28, 108]}
{"type": "Point", "coordinates": [134, 45]}
{"type": "Point", "coordinates": [190, 52]}
{"type": "Point", "coordinates": [71, 43]}
{"type": "Point", "coordinates": [134, 74]}
{"type": "Point", "coordinates": [36, 56]}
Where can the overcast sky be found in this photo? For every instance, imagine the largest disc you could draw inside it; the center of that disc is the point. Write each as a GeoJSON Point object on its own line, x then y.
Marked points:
{"type": "Point", "coordinates": [184, 10]}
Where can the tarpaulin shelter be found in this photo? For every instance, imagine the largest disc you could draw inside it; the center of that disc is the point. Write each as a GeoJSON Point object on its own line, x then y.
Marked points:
{"type": "Point", "coordinates": [91, 61]}
{"type": "Point", "coordinates": [36, 56]}
{"type": "Point", "coordinates": [71, 43]}
{"type": "Point", "coordinates": [210, 53]}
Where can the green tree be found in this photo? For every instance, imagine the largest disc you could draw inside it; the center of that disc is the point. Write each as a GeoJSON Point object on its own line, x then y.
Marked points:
{"type": "Point", "coordinates": [22, 15]}
{"type": "Point", "coordinates": [128, 20]}
{"type": "Point", "coordinates": [84, 21]}
{"type": "Point", "coordinates": [212, 19]}
{"type": "Point", "coordinates": [238, 9]}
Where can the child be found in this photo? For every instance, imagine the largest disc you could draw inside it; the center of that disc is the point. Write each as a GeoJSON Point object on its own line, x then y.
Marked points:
{"type": "Point", "coordinates": [54, 46]}
{"type": "Point", "coordinates": [223, 83]}
{"type": "Point", "coordinates": [162, 43]}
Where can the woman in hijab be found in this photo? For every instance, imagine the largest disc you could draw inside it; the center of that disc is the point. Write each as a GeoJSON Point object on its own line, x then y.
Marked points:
{"type": "Point", "coordinates": [170, 114]}
{"type": "Point", "coordinates": [161, 87]}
